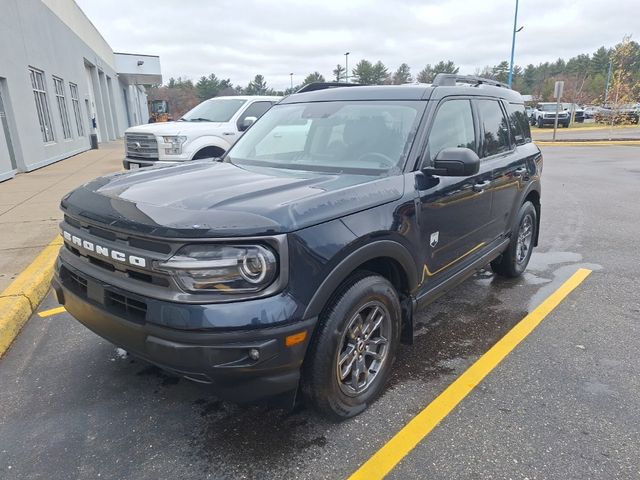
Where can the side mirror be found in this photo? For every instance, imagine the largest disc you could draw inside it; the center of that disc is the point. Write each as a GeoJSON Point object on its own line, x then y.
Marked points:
{"type": "Point", "coordinates": [247, 122]}
{"type": "Point", "coordinates": [454, 162]}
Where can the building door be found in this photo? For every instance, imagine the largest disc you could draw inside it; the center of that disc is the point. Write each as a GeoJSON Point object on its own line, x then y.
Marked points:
{"type": "Point", "coordinates": [126, 106]}
{"type": "Point", "coordinates": [4, 125]}
{"type": "Point", "coordinates": [91, 106]}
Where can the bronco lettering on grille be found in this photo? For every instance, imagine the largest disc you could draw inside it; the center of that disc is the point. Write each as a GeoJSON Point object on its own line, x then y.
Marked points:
{"type": "Point", "coordinates": [104, 251]}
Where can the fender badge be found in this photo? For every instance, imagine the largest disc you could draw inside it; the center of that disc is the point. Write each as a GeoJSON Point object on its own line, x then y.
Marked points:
{"type": "Point", "coordinates": [434, 239]}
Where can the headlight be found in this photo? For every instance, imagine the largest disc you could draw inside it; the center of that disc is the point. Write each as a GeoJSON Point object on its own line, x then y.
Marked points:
{"type": "Point", "coordinates": [173, 144]}
{"type": "Point", "coordinates": [224, 269]}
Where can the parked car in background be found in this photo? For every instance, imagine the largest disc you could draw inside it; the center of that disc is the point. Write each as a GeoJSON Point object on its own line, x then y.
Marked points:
{"type": "Point", "coordinates": [626, 114]}
{"type": "Point", "coordinates": [575, 111]}
{"type": "Point", "coordinates": [529, 113]}
{"type": "Point", "coordinates": [590, 111]}
{"type": "Point", "coordinates": [545, 114]}
{"type": "Point", "coordinates": [208, 130]}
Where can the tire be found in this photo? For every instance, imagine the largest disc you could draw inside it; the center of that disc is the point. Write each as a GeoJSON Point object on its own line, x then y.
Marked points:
{"type": "Point", "coordinates": [340, 334]}
{"type": "Point", "coordinates": [565, 125]}
{"type": "Point", "coordinates": [540, 123]}
{"type": "Point", "coordinates": [513, 261]}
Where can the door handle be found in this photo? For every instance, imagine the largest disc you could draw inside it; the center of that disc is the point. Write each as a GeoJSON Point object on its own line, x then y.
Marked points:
{"type": "Point", "coordinates": [479, 187]}
{"type": "Point", "coordinates": [520, 172]}
{"type": "Point", "coordinates": [228, 133]}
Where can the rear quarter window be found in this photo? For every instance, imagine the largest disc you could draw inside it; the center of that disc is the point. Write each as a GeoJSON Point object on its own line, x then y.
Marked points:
{"type": "Point", "coordinates": [518, 124]}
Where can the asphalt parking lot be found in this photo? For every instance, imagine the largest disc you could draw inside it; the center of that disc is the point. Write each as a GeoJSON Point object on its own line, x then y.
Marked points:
{"type": "Point", "coordinates": [588, 131]}
{"type": "Point", "coordinates": [563, 404]}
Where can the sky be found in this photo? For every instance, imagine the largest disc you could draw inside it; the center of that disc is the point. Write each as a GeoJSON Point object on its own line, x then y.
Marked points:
{"type": "Point", "coordinates": [238, 39]}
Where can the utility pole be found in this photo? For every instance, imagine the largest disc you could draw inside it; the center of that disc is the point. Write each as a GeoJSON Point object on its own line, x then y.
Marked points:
{"type": "Point", "coordinates": [606, 88]}
{"type": "Point", "coordinates": [513, 44]}
{"type": "Point", "coordinates": [346, 67]}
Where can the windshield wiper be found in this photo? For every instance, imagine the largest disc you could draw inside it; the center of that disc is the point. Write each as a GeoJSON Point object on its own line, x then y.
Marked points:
{"type": "Point", "coordinates": [198, 119]}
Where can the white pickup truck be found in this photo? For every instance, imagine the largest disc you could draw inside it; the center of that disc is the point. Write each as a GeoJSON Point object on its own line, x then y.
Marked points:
{"type": "Point", "coordinates": [208, 130]}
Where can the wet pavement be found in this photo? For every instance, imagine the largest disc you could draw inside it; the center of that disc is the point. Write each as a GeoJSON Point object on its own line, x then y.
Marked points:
{"type": "Point", "coordinates": [564, 404]}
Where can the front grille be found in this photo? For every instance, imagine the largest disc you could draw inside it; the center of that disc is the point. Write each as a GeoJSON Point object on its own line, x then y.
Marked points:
{"type": "Point", "coordinates": [75, 282]}
{"type": "Point", "coordinates": [121, 305]}
{"type": "Point", "coordinates": [141, 145]}
{"type": "Point", "coordinates": [126, 307]}
{"type": "Point", "coordinates": [105, 265]}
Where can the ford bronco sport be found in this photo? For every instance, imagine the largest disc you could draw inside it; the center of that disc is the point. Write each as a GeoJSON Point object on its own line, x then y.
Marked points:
{"type": "Point", "coordinates": [295, 263]}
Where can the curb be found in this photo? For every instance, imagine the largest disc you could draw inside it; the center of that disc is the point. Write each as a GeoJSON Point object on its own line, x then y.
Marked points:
{"type": "Point", "coordinates": [21, 299]}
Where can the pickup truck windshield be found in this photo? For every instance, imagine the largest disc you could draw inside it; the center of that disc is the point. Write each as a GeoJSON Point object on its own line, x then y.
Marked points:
{"type": "Point", "coordinates": [214, 110]}
{"type": "Point", "coordinates": [361, 137]}
{"type": "Point", "coordinates": [548, 107]}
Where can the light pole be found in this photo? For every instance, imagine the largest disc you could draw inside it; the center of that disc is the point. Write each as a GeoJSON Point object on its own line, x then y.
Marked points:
{"type": "Point", "coordinates": [291, 77]}
{"type": "Point", "coordinates": [346, 67]}
{"type": "Point", "coordinates": [513, 43]}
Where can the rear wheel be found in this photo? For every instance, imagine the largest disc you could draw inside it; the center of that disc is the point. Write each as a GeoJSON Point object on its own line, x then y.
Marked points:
{"type": "Point", "coordinates": [351, 353]}
{"type": "Point", "coordinates": [515, 258]}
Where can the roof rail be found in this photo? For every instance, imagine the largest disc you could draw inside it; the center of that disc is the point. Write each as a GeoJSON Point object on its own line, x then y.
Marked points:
{"type": "Point", "coordinates": [450, 80]}
{"type": "Point", "coordinates": [312, 87]}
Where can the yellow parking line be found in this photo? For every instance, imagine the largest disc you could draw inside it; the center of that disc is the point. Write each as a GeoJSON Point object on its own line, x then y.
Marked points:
{"type": "Point", "coordinates": [53, 311]}
{"type": "Point", "coordinates": [385, 459]}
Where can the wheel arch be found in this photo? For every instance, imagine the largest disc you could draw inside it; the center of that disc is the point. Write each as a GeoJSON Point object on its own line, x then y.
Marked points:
{"type": "Point", "coordinates": [533, 196]}
{"type": "Point", "coordinates": [388, 259]}
{"type": "Point", "coordinates": [210, 151]}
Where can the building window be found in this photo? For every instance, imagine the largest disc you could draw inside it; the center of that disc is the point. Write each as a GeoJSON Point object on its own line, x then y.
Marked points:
{"type": "Point", "coordinates": [76, 108]}
{"type": "Point", "coordinates": [62, 107]}
{"type": "Point", "coordinates": [40, 95]}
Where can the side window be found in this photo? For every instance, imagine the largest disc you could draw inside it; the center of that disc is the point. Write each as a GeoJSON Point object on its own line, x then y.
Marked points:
{"type": "Point", "coordinates": [521, 132]}
{"type": "Point", "coordinates": [256, 109]}
{"type": "Point", "coordinates": [452, 127]}
{"type": "Point", "coordinates": [496, 132]}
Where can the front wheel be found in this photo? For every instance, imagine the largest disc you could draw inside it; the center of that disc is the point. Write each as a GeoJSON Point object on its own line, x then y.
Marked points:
{"type": "Point", "coordinates": [515, 258]}
{"type": "Point", "coordinates": [352, 351]}
{"type": "Point", "coordinates": [540, 123]}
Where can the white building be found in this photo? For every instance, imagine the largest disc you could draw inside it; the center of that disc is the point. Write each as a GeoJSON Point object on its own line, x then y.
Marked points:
{"type": "Point", "coordinates": [60, 82]}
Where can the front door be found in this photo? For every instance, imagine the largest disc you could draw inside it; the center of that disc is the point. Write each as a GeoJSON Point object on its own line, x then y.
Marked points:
{"type": "Point", "coordinates": [454, 212]}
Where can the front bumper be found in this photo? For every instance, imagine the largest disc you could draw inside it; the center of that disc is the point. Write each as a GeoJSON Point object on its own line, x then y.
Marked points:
{"type": "Point", "coordinates": [141, 163]}
{"type": "Point", "coordinates": [551, 120]}
{"type": "Point", "coordinates": [220, 358]}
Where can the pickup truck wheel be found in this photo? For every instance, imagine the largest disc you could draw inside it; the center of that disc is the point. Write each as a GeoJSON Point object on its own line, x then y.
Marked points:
{"type": "Point", "coordinates": [352, 351]}
{"type": "Point", "coordinates": [515, 258]}
{"type": "Point", "coordinates": [540, 123]}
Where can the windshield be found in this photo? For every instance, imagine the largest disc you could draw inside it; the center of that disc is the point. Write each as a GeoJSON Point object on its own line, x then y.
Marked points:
{"type": "Point", "coordinates": [214, 110]}
{"type": "Point", "coordinates": [362, 137]}
{"type": "Point", "coordinates": [548, 107]}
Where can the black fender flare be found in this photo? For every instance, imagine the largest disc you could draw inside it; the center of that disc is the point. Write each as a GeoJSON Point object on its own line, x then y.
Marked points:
{"type": "Point", "coordinates": [370, 251]}
{"type": "Point", "coordinates": [534, 187]}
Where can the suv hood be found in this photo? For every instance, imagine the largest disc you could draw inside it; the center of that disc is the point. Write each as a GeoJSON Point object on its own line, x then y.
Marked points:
{"type": "Point", "coordinates": [213, 199]}
{"type": "Point", "coordinates": [176, 128]}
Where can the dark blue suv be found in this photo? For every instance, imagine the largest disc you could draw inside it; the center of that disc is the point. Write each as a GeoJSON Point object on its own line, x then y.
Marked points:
{"type": "Point", "coordinates": [295, 263]}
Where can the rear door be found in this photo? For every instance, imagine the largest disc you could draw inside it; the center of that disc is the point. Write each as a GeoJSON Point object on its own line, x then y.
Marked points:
{"type": "Point", "coordinates": [454, 211]}
{"type": "Point", "coordinates": [510, 172]}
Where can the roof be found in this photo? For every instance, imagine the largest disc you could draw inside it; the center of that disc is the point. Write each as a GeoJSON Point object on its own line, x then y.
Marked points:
{"type": "Point", "coordinates": [414, 91]}
{"type": "Point", "coordinates": [248, 97]}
